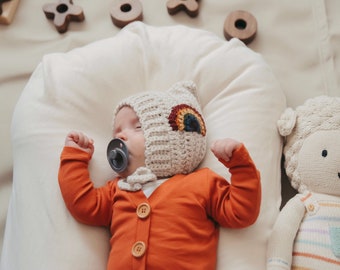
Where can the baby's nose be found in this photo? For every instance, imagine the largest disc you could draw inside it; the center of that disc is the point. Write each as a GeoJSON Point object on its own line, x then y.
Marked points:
{"type": "Point", "coordinates": [122, 136]}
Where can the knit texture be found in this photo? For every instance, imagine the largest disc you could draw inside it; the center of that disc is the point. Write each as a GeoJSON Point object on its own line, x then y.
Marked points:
{"type": "Point", "coordinates": [173, 127]}
{"type": "Point", "coordinates": [319, 113]}
{"type": "Point", "coordinates": [317, 242]}
{"type": "Point", "coordinates": [306, 234]}
{"type": "Point", "coordinates": [136, 180]}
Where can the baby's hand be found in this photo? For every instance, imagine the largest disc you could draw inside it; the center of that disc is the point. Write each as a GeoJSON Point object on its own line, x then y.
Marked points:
{"type": "Point", "coordinates": [223, 148]}
{"type": "Point", "coordinates": [81, 141]}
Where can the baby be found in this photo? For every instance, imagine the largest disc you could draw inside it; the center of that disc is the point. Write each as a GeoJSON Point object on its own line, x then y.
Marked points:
{"type": "Point", "coordinates": [162, 212]}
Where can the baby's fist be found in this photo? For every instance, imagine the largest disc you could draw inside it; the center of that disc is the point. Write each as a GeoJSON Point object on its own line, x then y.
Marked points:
{"type": "Point", "coordinates": [81, 141]}
{"type": "Point", "coordinates": [223, 148]}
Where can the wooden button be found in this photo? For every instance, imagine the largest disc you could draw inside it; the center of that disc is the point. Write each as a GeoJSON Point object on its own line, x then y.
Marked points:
{"type": "Point", "coordinates": [124, 12]}
{"type": "Point", "coordinates": [7, 10]}
{"type": "Point", "coordinates": [240, 24]}
{"type": "Point", "coordinates": [143, 210]}
{"type": "Point", "coordinates": [189, 6]}
{"type": "Point", "coordinates": [62, 13]}
{"type": "Point", "coordinates": [138, 249]}
{"type": "Point", "coordinates": [311, 207]}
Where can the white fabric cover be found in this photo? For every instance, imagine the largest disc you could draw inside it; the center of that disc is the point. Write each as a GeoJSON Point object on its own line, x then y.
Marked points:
{"type": "Point", "coordinates": [78, 90]}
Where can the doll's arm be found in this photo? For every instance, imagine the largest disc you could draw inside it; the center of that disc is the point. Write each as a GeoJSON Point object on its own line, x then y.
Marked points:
{"type": "Point", "coordinates": [280, 245]}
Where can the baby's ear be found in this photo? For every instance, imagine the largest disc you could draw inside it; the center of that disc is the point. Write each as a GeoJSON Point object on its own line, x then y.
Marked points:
{"type": "Point", "coordinates": [287, 122]}
{"type": "Point", "coordinates": [183, 86]}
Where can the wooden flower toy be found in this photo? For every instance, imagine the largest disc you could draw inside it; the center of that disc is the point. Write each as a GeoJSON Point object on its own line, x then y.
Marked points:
{"type": "Point", "coordinates": [63, 13]}
{"type": "Point", "coordinates": [189, 6]}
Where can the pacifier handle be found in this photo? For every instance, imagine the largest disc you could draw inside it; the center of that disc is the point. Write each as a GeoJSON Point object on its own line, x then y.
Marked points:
{"type": "Point", "coordinates": [117, 155]}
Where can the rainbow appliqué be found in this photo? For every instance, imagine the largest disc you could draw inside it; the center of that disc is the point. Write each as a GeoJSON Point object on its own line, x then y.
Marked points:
{"type": "Point", "coordinates": [186, 118]}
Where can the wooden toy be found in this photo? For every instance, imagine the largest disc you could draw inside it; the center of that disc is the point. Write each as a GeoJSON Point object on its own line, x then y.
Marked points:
{"type": "Point", "coordinates": [63, 13]}
{"type": "Point", "coordinates": [7, 10]}
{"type": "Point", "coordinates": [240, 24]}
{"type": "Point", "coordinates": [124, 12]}
{"type": "Point", "coordinates": [189, 6]}
{"type": "Point", "coordinates": [2, 1]}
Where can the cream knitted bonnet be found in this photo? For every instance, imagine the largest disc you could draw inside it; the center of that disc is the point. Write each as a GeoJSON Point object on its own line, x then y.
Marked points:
{"type": "Point", "coordinates": [173, 127]}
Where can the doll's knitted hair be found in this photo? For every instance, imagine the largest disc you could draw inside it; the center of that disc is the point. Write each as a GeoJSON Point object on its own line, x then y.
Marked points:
{"type": "Point", "coordinates": [173, 128]}
{"type": "Point", "coordinates": [319, 113]}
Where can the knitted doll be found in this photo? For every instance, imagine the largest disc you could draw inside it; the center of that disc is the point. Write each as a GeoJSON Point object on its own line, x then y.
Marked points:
{"type": "Point", "coordinates": [161, 211]}
{"type": "Point", "coordinates": [306, 234]}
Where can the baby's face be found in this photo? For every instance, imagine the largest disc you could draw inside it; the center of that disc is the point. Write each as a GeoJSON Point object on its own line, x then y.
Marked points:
{"type": "Point", "coordinates": [128, 128]}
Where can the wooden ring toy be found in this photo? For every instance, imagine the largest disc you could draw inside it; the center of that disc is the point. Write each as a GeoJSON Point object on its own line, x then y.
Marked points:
{"type": "Point", "coordinates": [240, 24]}
{"type": "Point", "coordinates": [124, 12]}
{"type": "Point", "coordinates": [189, 6]}
{"type": "Point", "coordinates": [7, 10]}
{"type": "Point", "coordinates": [63, 13]}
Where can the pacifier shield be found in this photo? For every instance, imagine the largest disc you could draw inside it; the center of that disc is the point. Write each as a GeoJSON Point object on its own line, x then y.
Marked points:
{"type": "Point", "coordinates": [117, 155]}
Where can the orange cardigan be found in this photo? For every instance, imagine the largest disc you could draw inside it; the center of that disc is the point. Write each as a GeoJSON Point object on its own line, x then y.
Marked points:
{"type": "Point", "coordinates": [177, 226]}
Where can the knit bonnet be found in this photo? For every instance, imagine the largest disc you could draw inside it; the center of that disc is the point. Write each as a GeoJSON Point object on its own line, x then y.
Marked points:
{"type": "Point", "coordinates": [319, 113]}
{"type": "Point", "coordinates": [173, 127]}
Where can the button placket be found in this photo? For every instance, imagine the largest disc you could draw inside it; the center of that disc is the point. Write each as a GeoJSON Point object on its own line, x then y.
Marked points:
{"type": "Point", "coordinates": [139, 248]}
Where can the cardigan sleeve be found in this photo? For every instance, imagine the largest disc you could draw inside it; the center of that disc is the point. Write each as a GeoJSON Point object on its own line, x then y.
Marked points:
{"type": "Point", "coordinates": [86, 203]}
{"type": "Point", "coordinates": [237, 205]}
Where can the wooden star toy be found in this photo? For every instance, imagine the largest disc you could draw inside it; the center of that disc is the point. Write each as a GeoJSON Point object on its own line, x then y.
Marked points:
{"type": "Point", "coordinates": [189, 6]}
{"type": "Point", "coordinates": [7, 10]}
{"type": "Point", "coordinates": [63, 13]}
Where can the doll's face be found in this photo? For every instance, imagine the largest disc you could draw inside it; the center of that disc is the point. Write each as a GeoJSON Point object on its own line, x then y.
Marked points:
{"type": "Point", "coordinates": [319, 162]}
{"type": "Point", "coordinates": [128, 128]}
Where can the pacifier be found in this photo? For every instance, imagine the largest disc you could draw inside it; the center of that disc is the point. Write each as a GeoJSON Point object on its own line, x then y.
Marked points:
{"type": "Point", "coordinates": [117, 155]}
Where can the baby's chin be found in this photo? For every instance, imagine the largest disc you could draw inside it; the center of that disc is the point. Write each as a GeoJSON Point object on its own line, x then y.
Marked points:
{"type": "Point", "coordinates": [127, 172]}
{"type": "Point", "coordinates": [131, 168]}
{"type": "Point", "coordinates": [123, 174]}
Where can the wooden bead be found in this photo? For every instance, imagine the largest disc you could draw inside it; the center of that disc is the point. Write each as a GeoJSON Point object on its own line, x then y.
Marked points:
{"type": "Point", "coordinates": [240, 24]}
{"type": "Point", "coordinates": [124, 12]}
{"type": "Point", "coordinates": [7, 10]}
{"type": "Point", "coordinates": [63, 13]}
{"type": "Point", "coordinates": [189, 6]}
